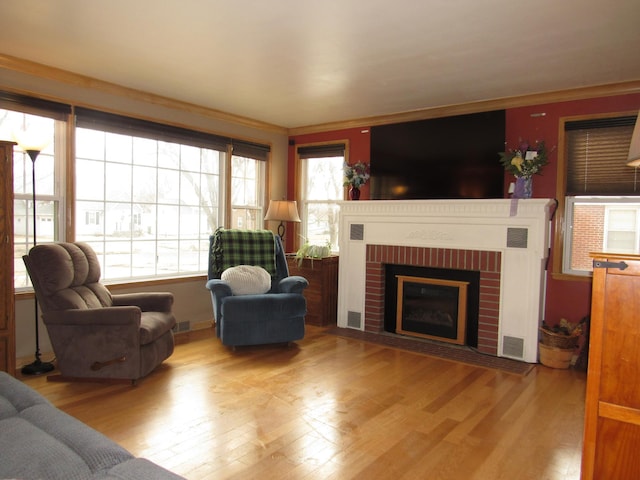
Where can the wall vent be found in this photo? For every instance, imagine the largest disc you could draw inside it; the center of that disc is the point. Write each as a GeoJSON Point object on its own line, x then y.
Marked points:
{"type": "Point", "coordinates": [357, 231]}
{"type": "Point", "coordinates": [182, 326]}
{"type": "Point", "coordinates": [517, 237]}
{"type": "Point", "coordinates": [354, 320]}
{"type": "Point", "coordinates": [512, 347]}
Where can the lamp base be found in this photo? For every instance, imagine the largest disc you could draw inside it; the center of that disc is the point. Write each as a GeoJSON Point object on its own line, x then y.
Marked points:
{"type": "Point", "coordinates": [37, 368]}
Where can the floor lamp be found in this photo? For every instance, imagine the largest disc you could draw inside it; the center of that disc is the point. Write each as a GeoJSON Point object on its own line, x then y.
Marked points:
{"type": "Point", "coordinates": [38, 367]}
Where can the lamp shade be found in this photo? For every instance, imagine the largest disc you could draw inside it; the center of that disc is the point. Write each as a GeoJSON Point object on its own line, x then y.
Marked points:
{"type": "Point", "coordinates": [283, 211]}
{"type": "Point", "coordinates": [31, 140]}
{"type": "Point", "coordinates": [633, 160]}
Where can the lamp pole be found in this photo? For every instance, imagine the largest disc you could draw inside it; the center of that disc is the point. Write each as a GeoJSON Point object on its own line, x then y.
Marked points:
{"type": "Point", "coordinates": [37, 367]}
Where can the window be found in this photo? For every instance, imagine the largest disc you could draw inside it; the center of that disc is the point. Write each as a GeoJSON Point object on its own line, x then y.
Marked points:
{"type": "Point", "coordinates": [246, 192]}
{"type": "Point", "coordinates": [147, 195]}
{"type": "Point", "coordinates": [44, 122]}
{"type": "Point", "coordinates": [321, 176]}
{"type": "Point", "coordinates": [602, 201]}
{"type": "Point", "coordinates": [159, 201]}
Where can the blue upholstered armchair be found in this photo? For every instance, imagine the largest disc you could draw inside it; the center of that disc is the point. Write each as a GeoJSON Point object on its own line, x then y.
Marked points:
{"type": "Point", "coordinates": [254, 318]}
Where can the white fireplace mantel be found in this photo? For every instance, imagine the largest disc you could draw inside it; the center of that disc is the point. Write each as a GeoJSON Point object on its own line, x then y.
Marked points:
{"type": "Point", "coordinates": [518, 229]}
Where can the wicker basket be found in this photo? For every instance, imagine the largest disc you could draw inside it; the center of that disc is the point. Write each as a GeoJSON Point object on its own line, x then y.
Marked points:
{"type": "Point", "coordinates": [558, 340]}
{"type": "Point", "coordinates": [555, 357]}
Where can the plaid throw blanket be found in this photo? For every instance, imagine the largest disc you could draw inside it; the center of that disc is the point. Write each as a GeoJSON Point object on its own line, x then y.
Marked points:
{"type": "Point", "coordinates": [243, 247]}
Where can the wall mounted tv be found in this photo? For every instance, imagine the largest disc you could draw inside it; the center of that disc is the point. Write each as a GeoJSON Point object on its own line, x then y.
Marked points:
{"type": "Point", "coordinates": [449, 157]}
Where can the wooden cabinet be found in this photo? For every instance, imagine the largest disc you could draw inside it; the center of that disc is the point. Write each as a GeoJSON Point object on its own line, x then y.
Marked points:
{"type": "Point", "coordinates": [612, 407]}
{"type": "Point", "coordinates": [7, 315]}
{"type": "Point", "coordinates": [322, 292]}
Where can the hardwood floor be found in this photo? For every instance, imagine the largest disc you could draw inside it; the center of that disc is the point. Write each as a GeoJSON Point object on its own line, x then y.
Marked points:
{"type": "Point", "coordinates": [336, 408]}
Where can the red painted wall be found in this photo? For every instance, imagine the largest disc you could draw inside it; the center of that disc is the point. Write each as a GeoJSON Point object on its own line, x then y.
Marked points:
{"type": "Point", "coordinates": [564, 298]}
{"type": "Point", "coordinates": [359, 140]}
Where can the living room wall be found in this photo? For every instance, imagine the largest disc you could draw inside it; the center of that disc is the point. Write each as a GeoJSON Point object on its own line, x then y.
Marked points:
{"type": "Point", "coordinates": [566, 297]}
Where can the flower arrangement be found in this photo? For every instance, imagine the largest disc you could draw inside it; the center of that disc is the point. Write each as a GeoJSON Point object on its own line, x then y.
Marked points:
{"type": "Point", "coordinates": [356, 175]}
{"type": "Point", "coordinates": [525, 161]}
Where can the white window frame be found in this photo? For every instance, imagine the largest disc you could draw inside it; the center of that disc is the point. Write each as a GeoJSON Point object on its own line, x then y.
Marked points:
{"type": "Point", "coordinates": [161, 255]}
{"type": "Point", "coordinates": [248, 214]}
{"type": "Point", "coordinates": [54, 151]}
{"type": "Point", "coordinates": [608, 202]}
{"type": "Point", "coordinates": [306, 203]}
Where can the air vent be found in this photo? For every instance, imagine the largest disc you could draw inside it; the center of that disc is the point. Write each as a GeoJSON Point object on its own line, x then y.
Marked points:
{"type": "Point", "coordinates": [513, 347]}
{"type": "Point", "coordinates": [357, 231]}
{"type": "Point", "coordinates": [517, 237]}
{"type": "Point", "coordinates": [354, 320]}
{"type": "Point", "coordinates": [182, 326]}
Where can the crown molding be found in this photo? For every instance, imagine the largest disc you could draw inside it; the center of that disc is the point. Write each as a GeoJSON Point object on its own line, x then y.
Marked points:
{"type": "Point", "coordinates": [582, 93]}
{"type": "Point", "coordinates": [64, 76]}
{"type": "Point", "coordinates": [81, 81]}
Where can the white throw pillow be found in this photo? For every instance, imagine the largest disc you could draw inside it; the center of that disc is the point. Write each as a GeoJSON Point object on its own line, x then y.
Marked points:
{"type": "Point", "coordinates": [247, 279]}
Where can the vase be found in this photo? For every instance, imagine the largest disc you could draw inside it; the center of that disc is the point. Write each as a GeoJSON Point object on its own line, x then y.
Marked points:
{"type": "Point", "coordinates": [354, 193]}
{"type": "Point", "coordinates": [523, 188]}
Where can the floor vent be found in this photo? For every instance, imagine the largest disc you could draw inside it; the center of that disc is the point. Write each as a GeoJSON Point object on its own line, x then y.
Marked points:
{"type": "Point", "coordinates": [182, 327]}
{"type": "Point", "coordinates": [354, 320]}
{"type": "Point", "coordinates": [513, 347]}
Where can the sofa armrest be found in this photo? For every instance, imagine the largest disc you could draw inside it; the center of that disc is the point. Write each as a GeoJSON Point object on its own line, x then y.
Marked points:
{"type": "Point", "coordinates": [292, 284]}
{"type": "Point", "coordinates": [146, 301]}
{"type": "Point", "coordinates": [95, 316]}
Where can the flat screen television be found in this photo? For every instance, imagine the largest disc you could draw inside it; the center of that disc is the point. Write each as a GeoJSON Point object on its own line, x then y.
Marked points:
{"type": "Point", "coordinates": [441, 158]}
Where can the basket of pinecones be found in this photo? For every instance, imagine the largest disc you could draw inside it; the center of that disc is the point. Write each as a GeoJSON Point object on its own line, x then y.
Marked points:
{"type": "Point", "coordinates": [565, 335]}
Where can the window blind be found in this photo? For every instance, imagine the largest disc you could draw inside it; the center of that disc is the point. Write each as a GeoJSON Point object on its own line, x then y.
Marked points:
{"type": "Point", "coordinates": [256, 151]}
{"type": "Point", "coordinates": [597, 157]}
{"type": "Point", "coordinates": [36, 106]}
{"type": "Point", "coordinates": [322, 151]}
{"type": "Point", "coordinates": [109, 122]}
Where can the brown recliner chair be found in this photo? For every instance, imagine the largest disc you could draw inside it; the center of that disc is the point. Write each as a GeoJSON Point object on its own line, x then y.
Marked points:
{"type": "Point", "coordinates": [94, 334]}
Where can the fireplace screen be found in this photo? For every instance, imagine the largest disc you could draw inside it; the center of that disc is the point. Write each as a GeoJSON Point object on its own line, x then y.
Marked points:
{"type": "Point", "coordinates": [432, 308]}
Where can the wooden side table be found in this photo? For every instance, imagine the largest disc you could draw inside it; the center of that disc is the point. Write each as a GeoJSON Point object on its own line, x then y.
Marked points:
{"type": "Point", "coordinates": [322, 292]}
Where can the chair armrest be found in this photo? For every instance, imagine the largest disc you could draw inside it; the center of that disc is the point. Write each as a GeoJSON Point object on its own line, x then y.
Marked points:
{"type": "Point", "coordinates": [292, 284]}
{"type": "Point", "coordinates": [219, 287]}
{"type": "Point", "coordinates": [146, 301]}
{"type": "Point", "coordinates": [109, 316]}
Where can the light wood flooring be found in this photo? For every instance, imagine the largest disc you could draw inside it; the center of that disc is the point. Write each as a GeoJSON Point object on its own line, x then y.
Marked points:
{"type": "Point", "coordinates": [336, 408]}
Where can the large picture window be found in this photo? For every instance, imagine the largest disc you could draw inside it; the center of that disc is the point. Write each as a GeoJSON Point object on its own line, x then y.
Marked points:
{"type": "Point", "coordinates": [146, 196]}
{"type": "Point", "coordinates": [147, 207]}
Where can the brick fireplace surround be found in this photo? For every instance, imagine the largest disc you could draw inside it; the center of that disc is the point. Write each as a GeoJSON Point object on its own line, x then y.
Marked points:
{"type": "Point", "coordinates": [487, 263]}
{"type": "Point", "coordinates": [506, 241]}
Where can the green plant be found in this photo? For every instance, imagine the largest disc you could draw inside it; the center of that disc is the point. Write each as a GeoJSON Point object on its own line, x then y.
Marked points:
{"type": "Point", "coordinates": [312, 251]}
{"type": "Point", "coordinates": [525, 161]}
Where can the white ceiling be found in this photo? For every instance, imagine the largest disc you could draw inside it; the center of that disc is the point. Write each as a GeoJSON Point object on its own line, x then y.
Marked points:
{"type": "Point", "coordinates": [295, 63]}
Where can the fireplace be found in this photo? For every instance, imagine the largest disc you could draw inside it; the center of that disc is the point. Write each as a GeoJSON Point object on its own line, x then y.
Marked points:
{"type": "Point", "coordinates": [504, 242]}
{"type": "Point", "coordinates": [431, 308]}
{"type": "Point", "coordinates": [435, 303]}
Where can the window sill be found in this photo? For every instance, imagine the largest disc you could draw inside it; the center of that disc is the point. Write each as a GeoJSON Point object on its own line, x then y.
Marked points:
{"type": "Point", "coordinates": [28, 293]}
{"type": "Point", "coordinates": [570, 278]}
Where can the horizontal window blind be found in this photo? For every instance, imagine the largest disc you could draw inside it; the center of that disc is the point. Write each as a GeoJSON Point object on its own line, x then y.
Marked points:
{"type": "Point", "coordinates": [109, 122]}
{"type": "Point", "coordinates": [597, 157]}
{"type": "Point", "coordinates": [322, 151]}
{"type": "Point", "coordinates": [36, 106]}
{"type": "Point", "coordinates": [256, 151]}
